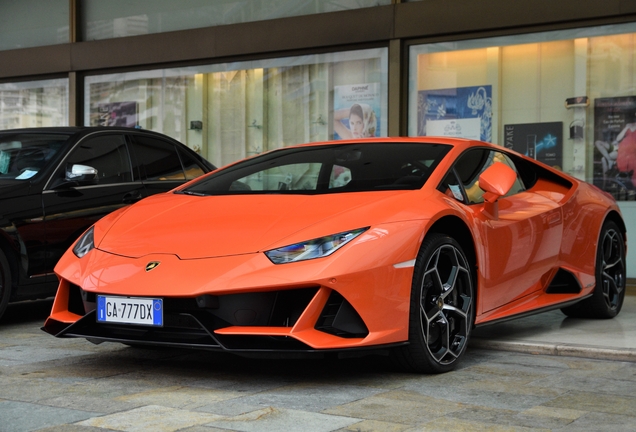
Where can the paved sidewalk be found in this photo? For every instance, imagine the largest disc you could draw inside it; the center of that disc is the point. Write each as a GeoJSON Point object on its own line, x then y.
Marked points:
{"type": "Point", "coordinates": [555, 334]}
{"type": "Point", "coordinates": [60, 385]}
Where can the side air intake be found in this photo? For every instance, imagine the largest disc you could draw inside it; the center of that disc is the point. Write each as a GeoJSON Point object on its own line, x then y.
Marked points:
{"type": "Point", "coordinates": [563, 282]}
{"type": "Point", "coordinates": [339, 318]}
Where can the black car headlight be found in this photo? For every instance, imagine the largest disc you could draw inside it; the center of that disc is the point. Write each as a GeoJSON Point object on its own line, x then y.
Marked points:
{"type": "Point", "coordinates": [85, 244]}
{"type": "Point", "coordinates": [310, 249]}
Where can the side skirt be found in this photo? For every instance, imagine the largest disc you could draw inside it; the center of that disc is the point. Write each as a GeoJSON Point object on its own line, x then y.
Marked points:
{"type": "Point", "coordinates": [533, 312]}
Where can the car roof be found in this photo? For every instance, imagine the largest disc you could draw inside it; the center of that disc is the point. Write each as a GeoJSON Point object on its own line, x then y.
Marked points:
{"type": "Point", "coordinates": [459, 144]}
{"type": "Point", "coordinates": [81, 130]}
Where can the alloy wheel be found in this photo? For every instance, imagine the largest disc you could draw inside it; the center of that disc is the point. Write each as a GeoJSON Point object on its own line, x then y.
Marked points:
{"type": "Point", "coordinates": [445, 304]}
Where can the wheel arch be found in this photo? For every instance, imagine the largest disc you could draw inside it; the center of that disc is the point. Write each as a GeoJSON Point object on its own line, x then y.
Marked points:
{"type": "Point", "coordinates": [615, 217]}
{"type": "Point", "coordinates": [455, 227]}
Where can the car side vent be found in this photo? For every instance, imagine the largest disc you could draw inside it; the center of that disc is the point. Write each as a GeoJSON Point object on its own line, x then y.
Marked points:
{"type": "Point", "coordinates": [339, 318]}
{"type": "Point", "coordinates": [563, 282]}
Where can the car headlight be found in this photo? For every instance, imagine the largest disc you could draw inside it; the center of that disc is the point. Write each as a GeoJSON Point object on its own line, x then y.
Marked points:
{"type": "Point", "coordinates": [310, 249]}
{"type": "Point", "coordinates": [85, 244]}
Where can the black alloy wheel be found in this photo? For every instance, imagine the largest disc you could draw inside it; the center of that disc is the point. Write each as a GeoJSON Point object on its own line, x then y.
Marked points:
{"type": "Point", "coordinates": [608, 295]}
{"type": "Point", "coordinates": [442, 308]}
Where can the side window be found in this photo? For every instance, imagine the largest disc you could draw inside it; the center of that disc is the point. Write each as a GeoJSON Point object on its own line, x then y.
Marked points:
{"type": "Point", "coordinates": [518, 186]}
{"type": "Point", "coordinates": [192, 168]}
{"type": "Point", "coordinates": [108, 154]}
{"type": "Point", "coordinates": [469, 166]}
{"type": "Point", "coordinates": [474, 162]}
{"type": "Point", "coordinates": [158, 159]}
{"type": "Point", "coordinates": [452, 187]}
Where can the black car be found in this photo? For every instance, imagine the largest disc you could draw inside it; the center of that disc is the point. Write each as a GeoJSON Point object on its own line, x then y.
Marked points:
{"type": "Point", "coordinates": [56, 182]}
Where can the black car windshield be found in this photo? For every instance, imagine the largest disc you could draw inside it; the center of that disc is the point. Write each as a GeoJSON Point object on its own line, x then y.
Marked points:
{"type": "Point", "coordinates": [23, 155]}
{"type": "Point", "coordinates": [327, 169]}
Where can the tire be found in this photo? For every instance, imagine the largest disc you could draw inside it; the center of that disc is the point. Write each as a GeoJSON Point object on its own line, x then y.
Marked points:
{"type": "Point", "coordinates": [608, 295]}
{"type": "Point", "coordinates": [5, 283]}
{"type": "Point", "coordinates": [442, 308]}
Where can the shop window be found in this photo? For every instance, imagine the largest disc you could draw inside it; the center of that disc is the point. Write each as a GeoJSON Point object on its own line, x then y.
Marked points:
{"type": "Point", "coordinates": [227, 112]}
{"type": "Point", "coordinates": [34, 104]}
{"type": "Point", "coordinates": [566, 98]}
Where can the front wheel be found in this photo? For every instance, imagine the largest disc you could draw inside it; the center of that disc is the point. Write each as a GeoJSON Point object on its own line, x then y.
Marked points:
{"type": "Point", "coordinates": [442, 308]}
{"type": "Point", "coordinates": [608, 295]}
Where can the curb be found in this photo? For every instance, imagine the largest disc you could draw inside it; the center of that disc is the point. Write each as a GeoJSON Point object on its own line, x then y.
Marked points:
{"type": "Point", "coordinates": [543, 348]}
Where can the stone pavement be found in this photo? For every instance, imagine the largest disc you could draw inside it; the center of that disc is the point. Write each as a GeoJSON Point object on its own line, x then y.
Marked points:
{"type": "Point", "coordinates": [50, 384]}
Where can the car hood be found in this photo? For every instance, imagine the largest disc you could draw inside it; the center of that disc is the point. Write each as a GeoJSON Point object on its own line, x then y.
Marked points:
{"type": "Point", "coordinates": [212, 226]}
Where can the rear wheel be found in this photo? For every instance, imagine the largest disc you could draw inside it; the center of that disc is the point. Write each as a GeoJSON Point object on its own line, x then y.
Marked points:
{"type": "Point", "coordinates": [5, 283]}
{"type": "Point", "coordinates": [607, 299]}
{"type": "Point", "coordinates": [442, 308]}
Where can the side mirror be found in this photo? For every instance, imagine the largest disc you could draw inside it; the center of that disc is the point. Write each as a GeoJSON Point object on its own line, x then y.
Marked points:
{"type": "Point", "coordinates": [81, 174]}
{"type": "Point", "coordinates": [496, 182]}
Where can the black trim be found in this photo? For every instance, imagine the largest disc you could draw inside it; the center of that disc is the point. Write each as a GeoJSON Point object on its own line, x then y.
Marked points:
{"type": "Point", "coordinates": [534, 312]}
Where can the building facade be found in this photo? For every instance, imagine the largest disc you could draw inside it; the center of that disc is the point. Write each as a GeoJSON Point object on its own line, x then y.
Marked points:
{"type": "Point", "coordinates": [231, 78]}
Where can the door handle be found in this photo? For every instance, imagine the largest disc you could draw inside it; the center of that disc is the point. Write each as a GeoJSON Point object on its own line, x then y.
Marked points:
{"type": "Point", "coordinates": [132, 197]}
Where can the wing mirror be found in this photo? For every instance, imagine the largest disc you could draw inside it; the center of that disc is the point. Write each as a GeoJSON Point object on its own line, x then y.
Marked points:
{"type": "Point", "coordinates": [496, 181]}
{"type": "Point", "coordinates": [81, 174]}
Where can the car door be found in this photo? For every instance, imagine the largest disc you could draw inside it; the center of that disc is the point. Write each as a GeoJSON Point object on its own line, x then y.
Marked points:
{"type": "Point", "coordinates": [163, 166]}
{"type": "Point", "coordinates": [521, 245]}
{"type": "Point", "coordinates": [72, 202]}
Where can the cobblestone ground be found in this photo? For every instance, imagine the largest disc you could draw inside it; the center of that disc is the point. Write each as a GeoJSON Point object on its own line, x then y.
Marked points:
{"type": "Point", "coordinates": [54, 384]}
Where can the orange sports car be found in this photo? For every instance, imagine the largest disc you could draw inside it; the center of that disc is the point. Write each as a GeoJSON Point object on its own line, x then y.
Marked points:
{"type": "Point", "coordinates": [398, 245]}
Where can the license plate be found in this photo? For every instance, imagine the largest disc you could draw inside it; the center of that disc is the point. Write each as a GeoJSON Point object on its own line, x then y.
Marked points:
{"type": "Point", "coordinates": [130, 310]}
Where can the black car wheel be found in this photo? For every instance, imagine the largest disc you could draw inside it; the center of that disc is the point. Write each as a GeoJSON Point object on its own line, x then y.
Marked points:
{"type": "Point", "coordinates": [5, 283]}
{"type": "Point", "coordinates": [607, 298]}
{"type": "Point", "coordinates": [442, 308]}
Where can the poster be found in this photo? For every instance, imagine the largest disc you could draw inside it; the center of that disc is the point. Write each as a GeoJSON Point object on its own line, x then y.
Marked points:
{"type": "Point", "coordinates": [356, 111]}
{"type": "Point", "coordinates": [540, 141]}
{"type": "Point", "coordinates": [115, 114]}
{"type": "Point", "coordinates": [463, 112]}
{"type": "Point", "coordinates": [615, 145]}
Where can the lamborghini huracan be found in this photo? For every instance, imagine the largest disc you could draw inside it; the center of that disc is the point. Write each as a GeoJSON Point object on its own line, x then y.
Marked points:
{"type": "Point", "coordinates": [395, 245]}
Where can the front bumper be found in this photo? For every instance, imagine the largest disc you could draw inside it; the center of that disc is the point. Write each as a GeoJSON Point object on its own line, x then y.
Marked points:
{"type": "Point", "coordinates": [244, 303]}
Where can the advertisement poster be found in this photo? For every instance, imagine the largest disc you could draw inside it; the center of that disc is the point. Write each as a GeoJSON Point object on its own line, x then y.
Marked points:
{"type": "Point", "coordinates": [464, 112]}
{"type": "Point", "coordinates": [115, 114]}
{"type": "Point", "coordinates": [356, 111]}
{"type": "Point", "coordinates": [615, 145]}
{"type": "Point", "coordinates": [540, 141]}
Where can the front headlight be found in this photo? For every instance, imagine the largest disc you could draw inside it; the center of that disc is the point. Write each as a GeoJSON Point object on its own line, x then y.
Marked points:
{"type": "Point", "coordinates": [85, 244]}
{"type": "Point", "coordinates": [310, 249]}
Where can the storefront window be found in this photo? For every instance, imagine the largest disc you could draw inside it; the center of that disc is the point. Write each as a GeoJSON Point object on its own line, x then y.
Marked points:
{"type": "Point", "coordinates": [31, 23]}
{"type": "Point", "coordinates": [34, 104]}
{"type": "Point", "coordinates": [119, 18]}
{"type": "Point", "coordinates": [567, 98]}
{"type": "Point", "coordinates": [233, 110]}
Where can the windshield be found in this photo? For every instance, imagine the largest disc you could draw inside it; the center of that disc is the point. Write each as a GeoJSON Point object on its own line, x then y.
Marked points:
{"type": "Point", "coordinates": [23, 155]}
{"type": "Point", "coordinates": [327, 169]}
